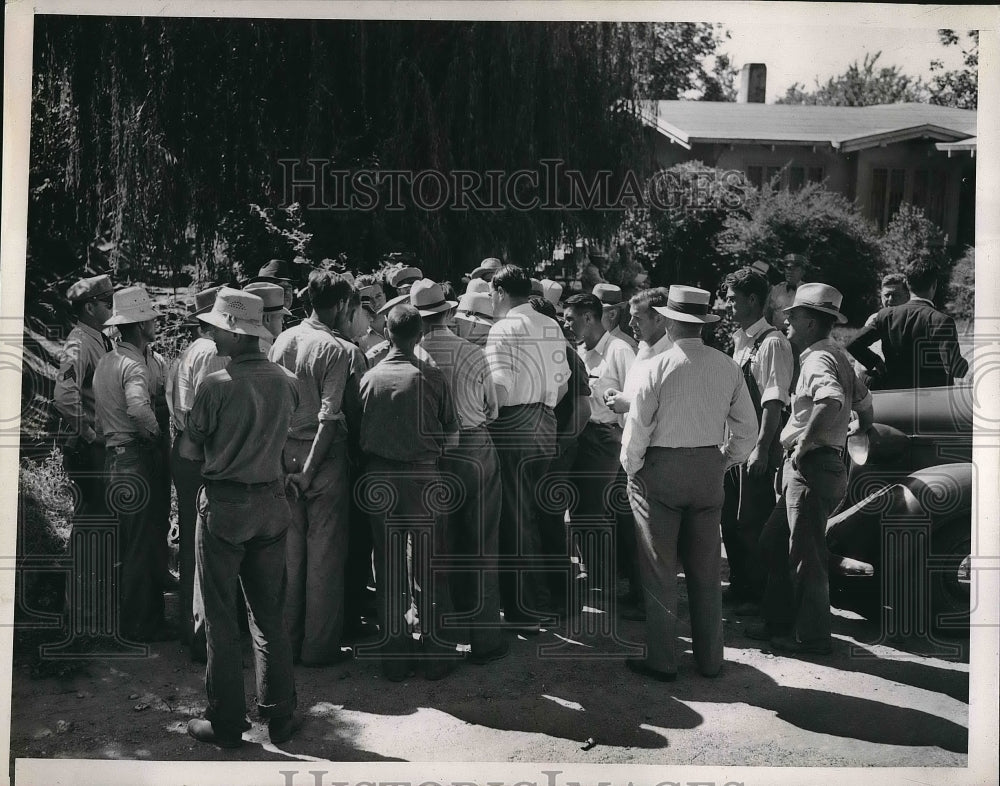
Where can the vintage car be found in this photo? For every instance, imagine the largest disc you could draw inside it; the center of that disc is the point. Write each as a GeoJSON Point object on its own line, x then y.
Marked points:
{"type": "Point", "coordinates": [900, 542]}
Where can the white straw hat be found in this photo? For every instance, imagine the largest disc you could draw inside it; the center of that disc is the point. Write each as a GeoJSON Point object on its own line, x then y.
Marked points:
{"type": "Point", "coordinates": [132, 305]}
{"type": "Point", "coordinates": [688, 304]}
{"type": "Point", "coordinates": [237, 312]}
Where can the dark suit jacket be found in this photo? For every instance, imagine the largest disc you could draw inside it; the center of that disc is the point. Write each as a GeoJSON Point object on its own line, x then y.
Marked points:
{"type": "Point", "coordinates": [920, 345]}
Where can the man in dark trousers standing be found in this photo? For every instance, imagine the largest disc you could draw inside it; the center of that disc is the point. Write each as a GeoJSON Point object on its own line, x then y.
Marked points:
{"type": "Point", "coordinates": [408, 419]}
{"type": "Point", "coordinates": [920, 344]}
{"type": "Point", "coordinates": [240, 421]}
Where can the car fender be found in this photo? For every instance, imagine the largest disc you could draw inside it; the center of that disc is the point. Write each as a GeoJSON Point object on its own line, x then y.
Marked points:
{"type": "Point", "coordinates": [939, 494]}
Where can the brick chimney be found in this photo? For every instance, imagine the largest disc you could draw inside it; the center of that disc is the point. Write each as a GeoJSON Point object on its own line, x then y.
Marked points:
{"type": "Point", "coordinates": [753, 84]}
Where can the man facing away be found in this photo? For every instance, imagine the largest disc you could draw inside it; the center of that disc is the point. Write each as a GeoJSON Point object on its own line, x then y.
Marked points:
{"type": "Point", "coordinates": [526, 352]}
{"type": "Point", "coordinates": [320, 352]}
{"type": "Point", "coordinates": [920, 344]}
{"type": "Point", "coordinates": [796, 606]}
{"type": "Point", "coordinates": [765, 357]}
{"type": "Point", "coordinates": [408, 419]}
{"type": "Point", "coordinates": [240, 419]}
{"type": "Point", "coordinates": [689, 401]}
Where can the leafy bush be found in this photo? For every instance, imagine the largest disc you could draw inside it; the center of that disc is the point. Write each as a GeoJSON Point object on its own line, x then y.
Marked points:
{"type": "Point", "coordinates": [911, 238]}
{"type": "Point", "coordinates": [842, 247]}
{"type": "Point", "coordinates": [962, 286]}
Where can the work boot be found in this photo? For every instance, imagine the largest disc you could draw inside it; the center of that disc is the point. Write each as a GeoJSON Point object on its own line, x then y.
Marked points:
{"type": "Point", "coordinates": [282, 729]}
{"type": "Point", "coordinates": [203, 731]}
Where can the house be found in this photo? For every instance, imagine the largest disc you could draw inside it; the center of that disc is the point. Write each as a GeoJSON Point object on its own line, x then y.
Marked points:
{"type": "Point", "coordinates": [878, 156]}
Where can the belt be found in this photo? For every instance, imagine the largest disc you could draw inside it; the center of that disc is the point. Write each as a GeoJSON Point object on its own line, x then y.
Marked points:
{"type": "Point", "coordinates": [238, 485]}
{"type": "Point", "coordinates": [838, 451]}
{"type": "Point", "coordinates": [535, 405]}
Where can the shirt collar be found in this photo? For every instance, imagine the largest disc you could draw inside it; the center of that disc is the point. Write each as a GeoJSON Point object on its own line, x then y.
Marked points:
{"type": "Point", "coordinates": [601, 347]}
{"type": "Point", "coordinates": [131, 349]}
{"type": "Point", "coordinates": [688, 342]}
{"type": "Point", "coordinates": [915, 298]}
{"type": "Point", "coordinates": [439, 331]}
{"type": "Point", "coordinates": [524, 308]}
{"type": "Point", "coordinates": [315, 324]}
{"type": "Point", "coordinates": [823, 343]}
{"type": "Point", "coordinates": [756, 328]}
{"type": "Point", "coordinates": [248, 358]}
{"type": "Point", "coordinates": [91, 331]}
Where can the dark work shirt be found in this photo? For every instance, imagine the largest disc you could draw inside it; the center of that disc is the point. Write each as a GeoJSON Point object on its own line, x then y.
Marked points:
{"type": "Point", "coordinates": [241, 416]}
{"type": "Point", "coordinates": [407, 409]}
{"type": "Point", "coordinates": [577, 393]}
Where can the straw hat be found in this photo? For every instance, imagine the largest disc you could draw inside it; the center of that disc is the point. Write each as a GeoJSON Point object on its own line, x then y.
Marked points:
{"type": "Point", "coordinates": [404, 298]}
{"type": "Point", "coordinates": [486, 269]}
{"type": "Point", "coordinates": [610, 295]}
{"type": "Point", "coordinates": [476, 307]}
{"type": "Point", "coordinates": [132, 305]}
{"type": "Point", "coordinates": [272, 295]}
{"type": "Point", "coordinates": [552, 292]}
{"type": "Point", "coordinates": [688, 304]}
{"type": "Point", "coordinates": [819, 297]}
{"type": "Point", "coordinates": [478, 285]}
{"type": "Point", "coordinates": [427, 297]}
{"type": "Point", "coordinates": [237, 312]}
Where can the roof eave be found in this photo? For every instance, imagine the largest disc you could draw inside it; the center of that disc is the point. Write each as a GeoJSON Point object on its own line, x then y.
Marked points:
{"type": "Point", "coordinates": [939, 133]}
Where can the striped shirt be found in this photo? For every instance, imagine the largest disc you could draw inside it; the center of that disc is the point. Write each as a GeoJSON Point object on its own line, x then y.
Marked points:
{"type": "Point", "coordinates": [467, 373]}
{"type": "Point", "coordinates": [686, 398]}
{"type": "Point", "coordinates": [608, 364]}
{"type": "Point", "coordinates": [527, 355]}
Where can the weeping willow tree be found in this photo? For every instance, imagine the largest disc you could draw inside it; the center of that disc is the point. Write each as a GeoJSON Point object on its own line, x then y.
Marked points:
{"type": "Point", "coordinates": [157, 143]}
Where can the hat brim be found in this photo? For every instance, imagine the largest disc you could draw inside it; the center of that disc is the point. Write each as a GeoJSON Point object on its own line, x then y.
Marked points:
{"type": "Point", "coordinates": [215, 320]}
{"type": "Point", "coordinates": [680, 316]}
{"type": "Point", "coordinates": [448, 305]}
{"type": "Point", "coordinates": [475, 319]}
{"type": "Point", "coordinates": [483, 272]}
{"type": "Point", "coordinates": [132, 320]}
{"type": "Point", "coordinates": [393, 302]}
{"type": "Point", "coordinates": [268, 280]}
{"type": "Point", "coordinates": [841, 319]}
{"type": "Point", "coordinates": [607, 306]}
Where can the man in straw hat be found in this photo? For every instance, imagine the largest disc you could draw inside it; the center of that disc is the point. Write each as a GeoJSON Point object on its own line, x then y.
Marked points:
{"type": "Point", "coordinates": [138, 483]}
{"type": "Point", "coordinates": [486, 269]}
{"type": "Point", "coordinates": [614, 304]}
{"type": "Point", "coordinates": [199, 359]}
{"type": "Point", "coordinates": [527, 356]}
{"type": "Point", "coordinates": [274, 310]}
{"type": "Point", "coordinates": [690, 401]}
{"type": "Point", "coordinates": [240, 420]}
{"type": "Point", "coordinates": [408, 419]}
{"type": "Point", "coordinates": [320, 351]}
{"type": "Point", "coordinates": [474, 317]}
{"type": "Point", "coordinates": [796, 605]}
{"type": "Point", "coordinates": [471, 467]}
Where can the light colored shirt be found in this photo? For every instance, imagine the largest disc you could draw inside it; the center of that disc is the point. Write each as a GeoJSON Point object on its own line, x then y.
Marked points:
{"type": "Point", "coordinates": [608, 364]}
{"type": "Point", "coordinates": [241, 415]}
{"type": "Point", "coordinates": [328, 368]}
{"type": "Point", "coordinates": [123, 389]}
{"type": "Point", "coordinates": [645, 354]}
{"type": "Point", "coordinates": [199, 359]}
{"type": "Point", "coordinates": [773, 366]}
{"type": "Point", "coordinates": [526, 352]}
{"type": "Point", "coordinates": [690, 396]}
{"type": "Point", "coordinates": [628, 338]}
{"type": "Point", "coordinates": [369, 340]}
{"type": "Point", "coordinates": [467, 373]}
{"type": "Point", "coordinates": [825, 373]}
{"type": "Point", "coordinates": [73, 396]}
{"type": "Point", "coordinates": [647, 351]}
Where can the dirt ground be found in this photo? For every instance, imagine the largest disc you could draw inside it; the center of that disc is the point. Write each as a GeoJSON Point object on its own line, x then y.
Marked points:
{"type": "Point", "coordinates": [871, 703]}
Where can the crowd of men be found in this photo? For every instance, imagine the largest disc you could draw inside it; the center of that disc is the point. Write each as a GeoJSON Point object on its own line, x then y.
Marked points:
{"type": "Point", "coordinates": [472, 457]}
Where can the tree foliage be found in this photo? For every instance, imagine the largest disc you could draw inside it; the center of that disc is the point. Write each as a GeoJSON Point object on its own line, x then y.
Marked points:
{"type": "Point", "coordinates": [860, 85]}
{"type": "Point", "coordinates": [961, 302]}
{"type": "Point", "coordinates": [960, 87]}
{"type": "Point", "coordinates": [670, 62]}
{"type": "Point", "coordinates": [842, 247]}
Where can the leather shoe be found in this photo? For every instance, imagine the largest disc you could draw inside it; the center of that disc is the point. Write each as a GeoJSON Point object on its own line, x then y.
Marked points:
{"type": "Point", "coordinates": [202, 730]}
{"type": "Point", "coordinates": [788, 643]}
{"type": "Point", "coordinates": [639, 666]}
{"type": "Point", "coordinates": [281, 729]}
{"type": "Point", "coordinates": [758, 632]}
{"type": "Point", "coordinates": [481, 659]}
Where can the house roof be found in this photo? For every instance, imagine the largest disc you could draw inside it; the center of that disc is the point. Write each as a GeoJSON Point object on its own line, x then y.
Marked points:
{"type": "Point", "coordinates": [845, 128]}
{"type": "Point", "coordinates": [965, 145]}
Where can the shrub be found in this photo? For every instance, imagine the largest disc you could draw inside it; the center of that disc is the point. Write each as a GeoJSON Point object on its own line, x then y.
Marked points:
{"type": "Point", "coordinates": [962, 286]}
{"type": "Point", "coordinates": [842, 247]}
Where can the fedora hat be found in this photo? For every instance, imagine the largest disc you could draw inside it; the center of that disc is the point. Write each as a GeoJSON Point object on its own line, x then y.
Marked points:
{"type": "Point", "coordinates": [276, 271]}
{"type": "Point", "coordinates": [272, 295]}
{"type": "Point", "coordinates": [476, 307]}
{"type": "Point", "coordinates": [404, 298]}
{"type": "Point", "coordinates": [399, 276]}
{"type": "Point", "coordinates": [478, 285]}
{"type": "Point", "coordinates": [552, 291]}
{"type": "Point", "coordinates": [537, 288]}
{"type": "Point", "coordinates": [238, 312]}
{"type": "Point", "coordinates": [132, 305]}
{"type": "Point", "coordinates": [819, 297]}
{"type": "Point", "coordinates": [760, 266]}
{"type": "Point", "coordinates": [688, 304]}
{"type": "Point", "coordinates": [90, 289]}
{"type": "Point", "coordinates": [427, 297]}
{"type": "Point", "coordinates": [486, 269]}
{"type": "Point", "coordinates": [609, 295]}
{"type": "Point", "coordinates": [203, 301]}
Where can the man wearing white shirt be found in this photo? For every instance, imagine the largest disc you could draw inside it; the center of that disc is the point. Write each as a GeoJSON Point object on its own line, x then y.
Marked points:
{"type": "Point", "coordinates": [765, 357]}
{"type": "Point", "coordinates": [608, 360]}
{"type": "Point", "coordinates": [690, 400]}
{"type": "Point", "coordinates": [526, 353]}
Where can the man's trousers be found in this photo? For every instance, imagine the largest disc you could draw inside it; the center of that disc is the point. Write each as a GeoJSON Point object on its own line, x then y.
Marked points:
{"type": "Point", "coordinates": [677, 501]}
{"type": "Point", "coordinates": [748, 503]}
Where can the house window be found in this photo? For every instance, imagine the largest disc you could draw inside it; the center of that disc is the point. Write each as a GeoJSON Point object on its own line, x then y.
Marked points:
{"type": "Point", "coordinates": [755, 175]}
{"type": "Point", "coordinates": [886, 195]}
{"type": "Point", "coordinates": [929, 188]}
{"type": "Point", "coordinates": [815, 174]}
{"type": "Point", "coordinates": [796, 178]}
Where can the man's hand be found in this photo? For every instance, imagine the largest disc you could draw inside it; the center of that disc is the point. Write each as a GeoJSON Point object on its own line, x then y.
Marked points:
{"type": "Point", "coordinates": [757, 462]}
{"type": "Point", "coordinates": [297, 484]}
{"type": "Point", "coordinates": [616, 402]}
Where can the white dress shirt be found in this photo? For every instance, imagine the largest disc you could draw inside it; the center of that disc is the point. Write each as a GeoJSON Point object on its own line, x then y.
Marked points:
{"type": "Point", "coordinates": [645, 354]}
{"type": "Point", "coordinates": [773, 367]}
{"type": "Point", "coordinates": [686, 398]}
{"type": "Point", "coordinates": [607, 365]}
{"type": "Point", "coordinates": [527, 355]}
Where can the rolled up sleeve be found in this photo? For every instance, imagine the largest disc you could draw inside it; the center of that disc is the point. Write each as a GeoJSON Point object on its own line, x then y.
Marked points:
{"type": "Point", "coordinates": [821, 381]}
{"type": "Point", "coordinates": [776, 361]}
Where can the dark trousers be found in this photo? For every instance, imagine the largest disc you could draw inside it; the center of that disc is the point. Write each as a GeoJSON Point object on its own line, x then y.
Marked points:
{"type": "Point", "coordinates": [409, 531]}
{"type": "Point", "coordinates": [556, 491]}
{"type": "Point", "coordinates": [595, 473]}
{"type": "Point", "coordinates": [84, 464]}
{"type": "Point", "coordinates": [135, 499]}
{"type": "Point", "coordinates": [241, 535]}
{"type": "Point", "coordinates": [677, 500]}
{"type": "Point", "coordinates": [87, 593]}
{"type": "Point", "coordinates": [748, 503]}
{"type": "Point", "coordinates": [471, 471]}
{"type": "Point", "coordinates": [794, 542]}
{"type": "Point", "coordinates": [628, 553]}
{"type": "Point", "coordinates": [358, 572]}
{"type": "Point", "coordinates": [525, 438]}
{"type": "Point", "coordinates": [187, 480]}
{"type": "Point", "coordinates": [316, 554]}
